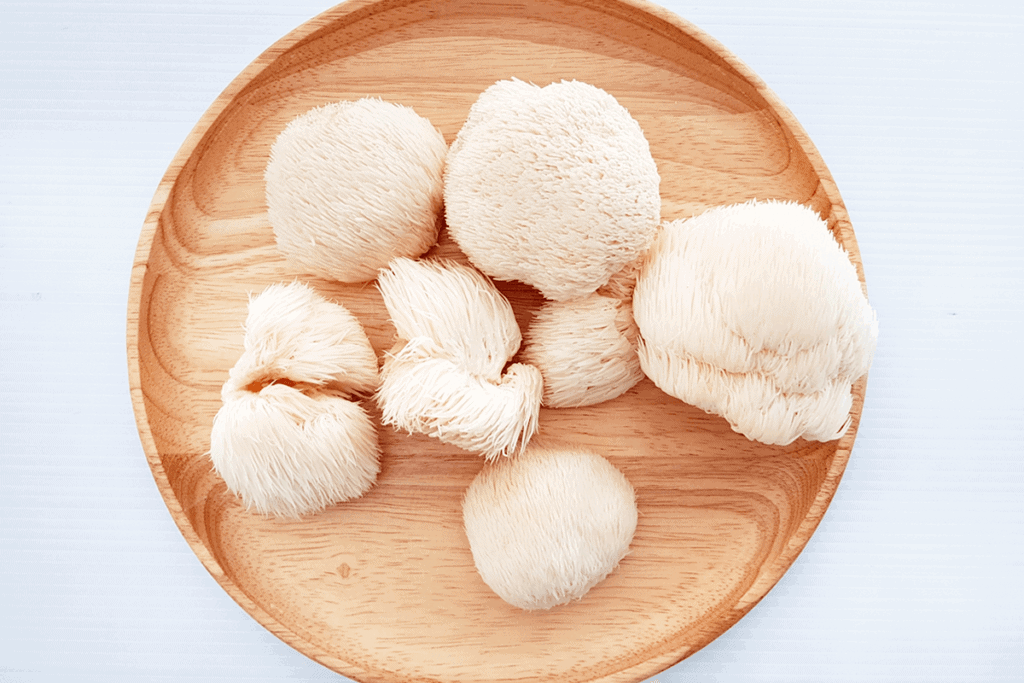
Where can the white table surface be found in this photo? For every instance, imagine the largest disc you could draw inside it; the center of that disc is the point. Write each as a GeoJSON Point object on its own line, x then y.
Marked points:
{"type": "Point", "coordinates": [915, 572]}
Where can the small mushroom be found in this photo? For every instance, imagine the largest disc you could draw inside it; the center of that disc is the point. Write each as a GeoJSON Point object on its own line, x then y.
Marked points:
{"type": "Point", "coordinates": [289, 453]}
{"type": "Point", "coordinates": [548, 526]}
{"type": "Point", "coordinates": [585, 349]}
{"type": "Point", "coordinates": [352, 185]}
{"type": "Point", "coordinates": [294, 334]}
{"type": "Point", "coordinates": [423, 391]}
{"type": "Point", "coordinates": [555, 187]}
{"type": "Point", "coordinates": [456, 307]}
{"type": "Point", "coordinates": [755, 313]}
{"type": "Point", "coordinates": [445, 376]}
{"type": "Point", "coordinates": [288, 440]}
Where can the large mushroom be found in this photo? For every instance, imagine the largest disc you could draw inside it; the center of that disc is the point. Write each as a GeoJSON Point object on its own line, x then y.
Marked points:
{"type": "Point", "coordinates": [552, 186]}
{"type": "Point", "coordinates": [754, 312]}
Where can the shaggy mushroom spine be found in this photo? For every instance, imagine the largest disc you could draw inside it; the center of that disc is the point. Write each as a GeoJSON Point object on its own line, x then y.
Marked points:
{"type": "Point", "coordinates": [754, 312]}
{"type": "Point", "coordinates": [288, 439]}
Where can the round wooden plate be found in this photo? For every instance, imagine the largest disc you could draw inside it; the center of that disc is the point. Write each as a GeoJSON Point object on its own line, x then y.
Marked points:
{"type": "Point", "coordinates": [384, 588]}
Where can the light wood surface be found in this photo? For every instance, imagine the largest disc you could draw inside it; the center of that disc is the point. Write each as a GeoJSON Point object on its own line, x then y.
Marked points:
{"type": "Point", "coordinates": [383, 588]}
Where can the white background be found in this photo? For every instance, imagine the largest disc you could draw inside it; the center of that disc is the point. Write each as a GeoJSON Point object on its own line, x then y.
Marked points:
{"type": "Point", "coordinates": [914, 574]}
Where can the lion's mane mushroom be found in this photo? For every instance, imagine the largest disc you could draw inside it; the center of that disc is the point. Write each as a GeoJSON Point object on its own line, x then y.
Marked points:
{"type": "Point", "coordinates": [288, 440]}
{"type": "Point", "coordinates": [351, 185]}
{"type": "Point", "coordinates": [444, 378]}
{"type": "Point", "coordinates": [546, 527]}
{"type": "Point", "coordinates": [454, 306]}
{"type": "Point", "coordinates": [585, 349]}
{"type": "Point", "coordinates": [552, 186]}
{"type": "Point", "coordinates": [422, 390]}
{"type": "Point", "coordinates": [755, 313]}
{"type": "Point", "coordinates": [294, 334]}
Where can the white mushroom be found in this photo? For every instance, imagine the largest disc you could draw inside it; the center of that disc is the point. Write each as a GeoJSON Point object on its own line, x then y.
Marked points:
{"type": "Point", "coordinates": [351, 185]}
{"type": "Point", "coordinates": [456, 307]}
{"type": "Point", "coordinates": [548, 526]}
{"type": "Point", "coordinates": [422, 390]}
{"type": "Point", "coordinates": [294, 334]}
{"type": "Point", "coordinates": [553, 186]}
{"type": "Point", "coordinates": [287, 439]}
{"type": "Point", "coordinates": [755, 313]}
{"type": "Point", "coordinates": [585, 349]}
{"type": "Point", "coordinates": [456, 332]}
{"type": "Point", "coordinates": [289, 453]}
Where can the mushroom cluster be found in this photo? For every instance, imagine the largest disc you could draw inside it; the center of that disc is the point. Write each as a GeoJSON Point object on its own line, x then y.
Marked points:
{"type": "Point", "coordinates": [289, 439]}
{"type": "Point", "coordinates": [556, 187]}
{"type": "Point", "coordinates": [752, 312]}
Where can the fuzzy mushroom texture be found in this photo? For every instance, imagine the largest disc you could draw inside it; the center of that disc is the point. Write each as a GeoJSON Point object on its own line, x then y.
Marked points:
{"type": "Point", "coordinates": [294, 334]}
{"type": "Point", "coordinates": [288, 440]}
{"type": "Point", "coordinates": [585, 349]}
{"type": "Point", "coordinates": [288, 453]}
{"type": "Point", "coordinates": [621, 284]}
{"type": "Point", "coordinates": [422, 390]}
{"type": "Point", "coordinates": [446, 376]}
{"type": "Point", "coordinates": [352, 185]}
{"type": "Point", "coordinates": [755, 313]}
{"type": "Point", "coordinates": [548, 526]}
{"type": "Point", "coordinates": [555, 187]}
{"type": "Point", "coordinates": [456, 307]}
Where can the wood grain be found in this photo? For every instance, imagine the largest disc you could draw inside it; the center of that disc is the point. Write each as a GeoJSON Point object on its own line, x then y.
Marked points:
{"type": "Point", "coordinates": [383, 588]}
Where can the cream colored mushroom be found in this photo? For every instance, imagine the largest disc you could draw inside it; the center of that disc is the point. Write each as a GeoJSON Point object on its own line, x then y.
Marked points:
{"type": "Point", "coordinates": [445, 377]}
{"type": "Point", "coordinates": [456, 307]}
{"type": "Point", "coordinates": [352, 185]}
{"type": "Point", "coordinates": [755, 313]}
{"type": "Point", "coordinates": [552, 186]}
{"type": "Point", "coordinates": [585, 349]}
{"type": "Point", "coordinates": [288, 453]}
{"type": "Point", "coordinates": [424, 391]}
{"type": "Point", "coordinates": [548, 526]}
{"type": "Point", "coordinates": [294, 334]}
{"type": "Point", "coordinates": [287, 439]}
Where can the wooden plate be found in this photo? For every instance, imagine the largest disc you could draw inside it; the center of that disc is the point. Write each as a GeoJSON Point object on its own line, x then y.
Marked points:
{"type": "Point", "coordinates": [384, 588]}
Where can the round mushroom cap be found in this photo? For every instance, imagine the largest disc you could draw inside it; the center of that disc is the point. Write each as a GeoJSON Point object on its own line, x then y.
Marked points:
{"type": "Point", "coordinates": [755, 313]}
{"type": "Point", "coordinates": [352, 185]}
{"type": "Point", "coordinates": [552, 186]}
{"type": "Point", "coordinates": [585, 349]}
{"type": "Point", "coordinates": [288, 454]}
{"type": "Point", "coordinates": [294, 334]}
{"type": "Point", "coordinates": [548, 526]}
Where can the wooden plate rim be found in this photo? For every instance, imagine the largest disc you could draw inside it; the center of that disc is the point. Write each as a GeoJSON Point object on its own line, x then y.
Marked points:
{"type": "Point", "coordinates": [354, 10]}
